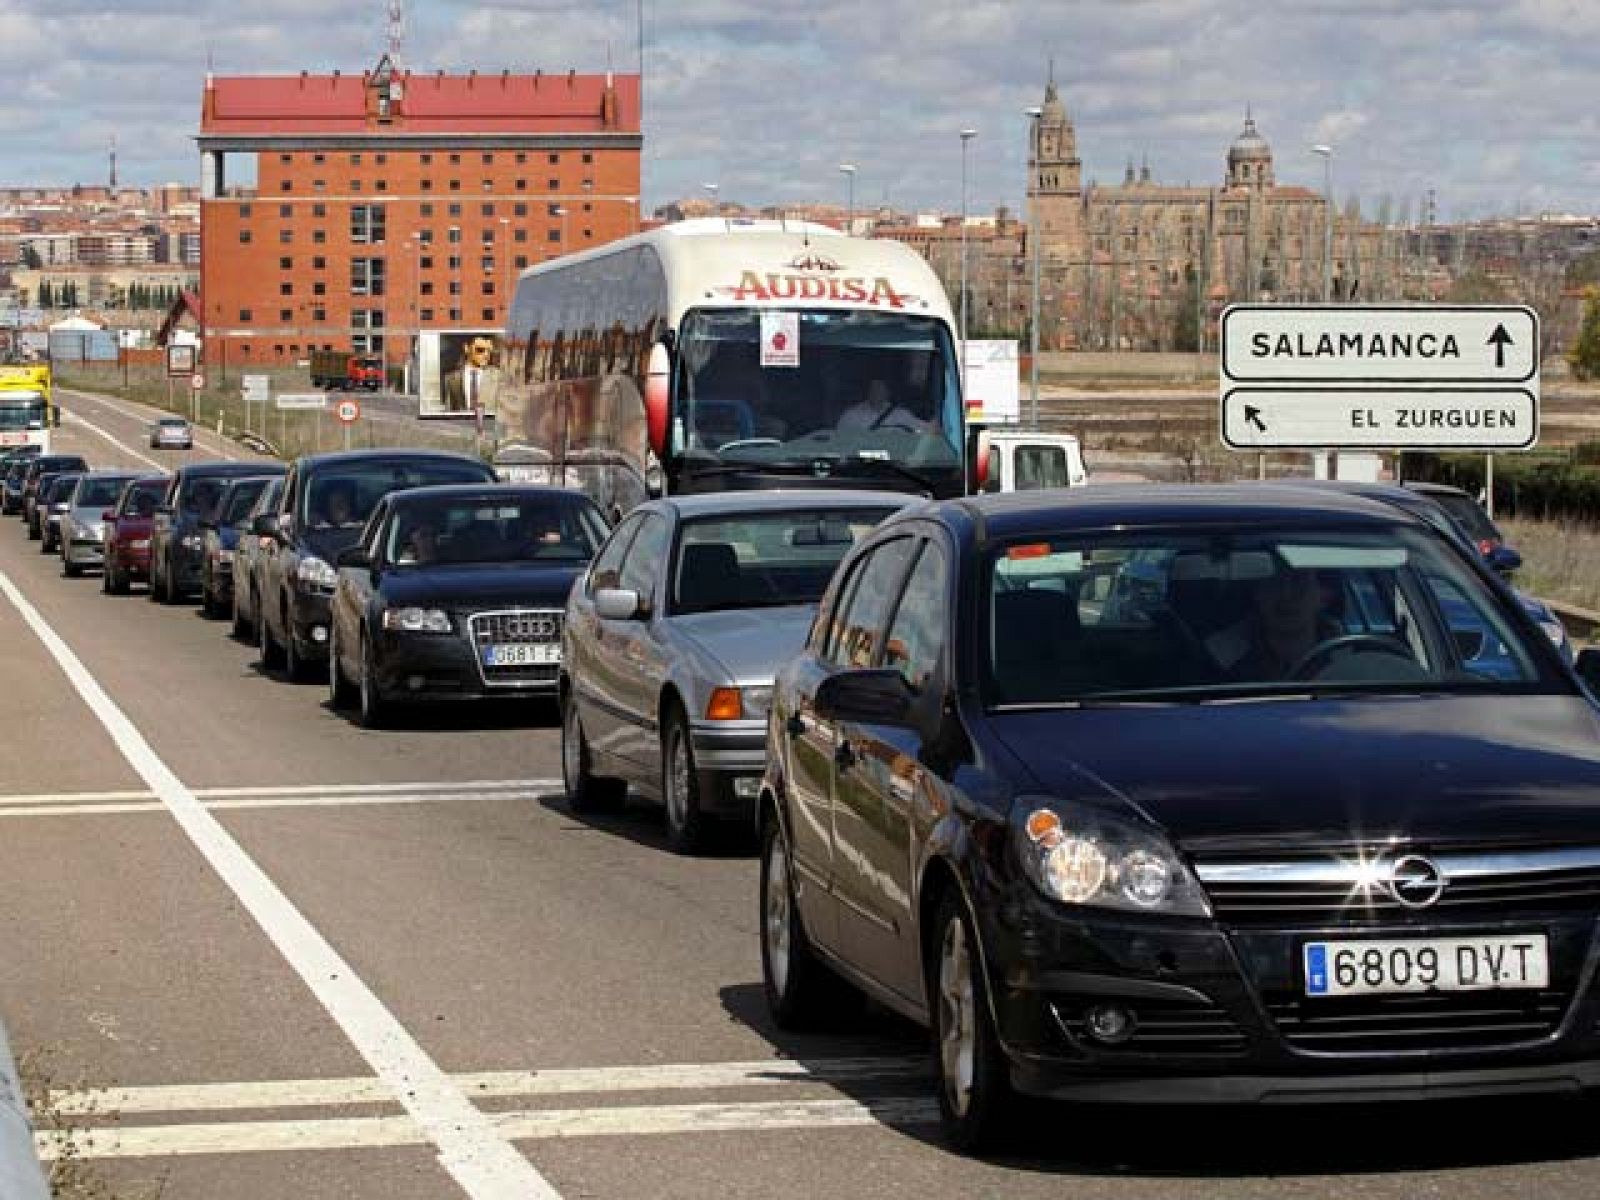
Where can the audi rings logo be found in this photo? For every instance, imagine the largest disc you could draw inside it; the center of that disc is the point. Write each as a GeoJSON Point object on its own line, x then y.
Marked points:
{"type": "Point", "coordinates": [531, 628]}
{"type": "Point", "coordinates": [1416, 882]}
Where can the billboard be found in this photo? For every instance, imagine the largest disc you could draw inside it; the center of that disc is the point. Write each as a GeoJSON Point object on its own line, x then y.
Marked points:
{"type": "Point", "coordinates": [993, 388]}
{"type": "Point", "coordinates": [460, 372]}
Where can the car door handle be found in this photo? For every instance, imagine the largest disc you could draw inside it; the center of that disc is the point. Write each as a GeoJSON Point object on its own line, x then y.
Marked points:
{"type": "Point", "coordinates": [844, 756]}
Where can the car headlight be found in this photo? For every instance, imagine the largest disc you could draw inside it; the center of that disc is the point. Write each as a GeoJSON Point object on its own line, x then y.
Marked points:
{"type": "Point", "coordinates": [313, 572]}
{"type": "Point", "coordinates": [1077, 856]}
{"type": "Point", "coordinates": [83, 532]}
{"type": "Point", "coordinates": [417, 620]}
{"type": "Point", "coordinates": [757, 700]}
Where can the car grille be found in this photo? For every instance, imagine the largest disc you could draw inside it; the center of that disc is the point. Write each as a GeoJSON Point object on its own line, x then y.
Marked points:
{"type": "Point", "coordinates": [1436, 1021]}
{"type": "Point", "coordinates": [1322, 889]}
{"type": "Point", "coordinates": [517, 627]}
{"type": "Point", "coordinates": [1160, 1028]}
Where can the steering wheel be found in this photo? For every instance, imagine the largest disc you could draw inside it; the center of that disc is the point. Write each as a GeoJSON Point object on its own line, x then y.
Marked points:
{"type": "Point", "coordinates": [1317, 656]}
{"type": "Point", "coordinates": [752, 441]}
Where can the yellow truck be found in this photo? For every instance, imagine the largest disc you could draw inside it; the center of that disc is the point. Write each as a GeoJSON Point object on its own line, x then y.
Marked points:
{"type": "Point", "coordinates": [28, 410]}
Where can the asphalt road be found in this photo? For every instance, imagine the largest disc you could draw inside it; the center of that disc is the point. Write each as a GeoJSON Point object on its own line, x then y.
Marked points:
{"type": "Point", "coordinates": [261, 953]}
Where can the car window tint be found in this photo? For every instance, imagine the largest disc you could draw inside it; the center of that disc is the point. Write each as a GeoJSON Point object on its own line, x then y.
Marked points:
{"type": "Point", "coordinates": [608, 566]}
{"type": "Point", "coordinates": [863, 618]}
{"type": "Point", "coordinates": [917, 633]}
{"type": "Point", "coordinates": [646, 557]}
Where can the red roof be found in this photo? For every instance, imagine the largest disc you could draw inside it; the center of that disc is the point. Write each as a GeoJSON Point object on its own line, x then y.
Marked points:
{"type": "Point", "coordinates": [309, 104]}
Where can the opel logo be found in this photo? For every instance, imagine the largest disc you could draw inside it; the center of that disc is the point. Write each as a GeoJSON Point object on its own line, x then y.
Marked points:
{"type": "Point", "coordinates": [1416, 882]}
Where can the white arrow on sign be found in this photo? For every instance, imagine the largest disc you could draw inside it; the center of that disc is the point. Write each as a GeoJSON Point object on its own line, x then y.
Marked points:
{"type": "Point", "coordinates": [1420, 344]}
{"type": "Point", "coordinates": [1395, 418]}
{"type": "Point", "coordinates": [302, 400]}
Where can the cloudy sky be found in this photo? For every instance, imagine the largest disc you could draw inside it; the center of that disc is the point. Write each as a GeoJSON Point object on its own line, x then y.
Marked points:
{"type": "Point", "coordinates": [1490, 103]}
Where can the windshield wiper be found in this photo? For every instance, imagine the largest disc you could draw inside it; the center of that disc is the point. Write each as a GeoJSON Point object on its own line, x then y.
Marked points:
{"type": "Point", "coordinates": [837, 467]}
{"type": "Point", "coordinates": [888, 464]}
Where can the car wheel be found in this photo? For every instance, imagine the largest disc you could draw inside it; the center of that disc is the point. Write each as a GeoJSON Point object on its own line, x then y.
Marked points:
{"type": "Point", "coordinates": [116, 581]}
{"type": "Point", "coordinates": [271, 654]}
{"type": "Point", "coordinates": [586, 792]}
{"type": "Point", "coordinates": [208, 599]}
{"type": "Point", "coordinates": [294, 663]}
{"type": "Point", "coordinates": [241, 627]}
{"type": "Point", "coordinates": [105, 579]}
{"type": "Point", "coordinates": [680, 787]}
{"type": "Point", "coordinates": [374, 709]}
{"type": "Point", "coordinates": [69, 568]}
{"type": "Point", "coordinates": [340, 693]}
{"type": "Point", "coordinates": [33, 531]}
{"type": "Point", "coordinates": [975, 1096]}
{"type": "Point", "coordinates": [797, 984]}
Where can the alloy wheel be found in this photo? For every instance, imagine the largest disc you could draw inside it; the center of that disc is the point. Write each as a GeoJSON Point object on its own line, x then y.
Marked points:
{"type": "Point", "coordinates": [957, 1016]}
{"type": "Point", "coordinates": [776, 918]}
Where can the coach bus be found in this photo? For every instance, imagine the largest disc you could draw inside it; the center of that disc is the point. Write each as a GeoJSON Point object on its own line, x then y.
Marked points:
{"type": "Point", "coordinates": [27, 407]}
{"type": "Point", "coordinates": [717, 354]}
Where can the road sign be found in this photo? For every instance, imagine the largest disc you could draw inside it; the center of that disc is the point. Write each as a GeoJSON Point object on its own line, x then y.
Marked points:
{"type": "Point", "coordinates": [348, 410]}
{"type": "Point", "coordinates": [1367, 376]}
{"type": "Point", "coordinates": [182, 358]}
{"type": "Point", "coordinates": [302, 400]}
{"type": "Point", "coordinates": [255, 388]}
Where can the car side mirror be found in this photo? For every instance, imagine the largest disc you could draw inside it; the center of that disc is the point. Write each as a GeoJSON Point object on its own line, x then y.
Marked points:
{"type": "Point", "coordinates": [1588, 668]}
{"type": "Point", "coordinates": [618, 604]}
{"type": "Point", "coordinates": [108, 514]}
{"type": "Point", "coordinates": [876, 697]}
{"type": "Point", "coordinates": [265, 525]}
{"type": "Point", "coordinates": [353, 556]}
{"type": "Point", "coordinates": [1504, 560]}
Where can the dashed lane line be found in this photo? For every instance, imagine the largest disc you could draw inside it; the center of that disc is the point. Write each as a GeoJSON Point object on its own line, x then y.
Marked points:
{"type": "Point", "coordinates": [472, 1149]}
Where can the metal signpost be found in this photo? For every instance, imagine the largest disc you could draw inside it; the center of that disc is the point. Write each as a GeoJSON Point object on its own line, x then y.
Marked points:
{"type": "Point", "coordinates": [255, 389]}
{"type": "Point", "coordinates": [1353, 377]}
{"type": "Point", "coordinates": [348, 412]}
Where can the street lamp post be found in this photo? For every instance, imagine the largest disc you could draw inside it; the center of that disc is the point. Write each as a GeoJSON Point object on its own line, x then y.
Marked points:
{"type": "Point", "coordinates": [849, 169]}
{"type": "Point", "coordinates": [1326, 154]}
{"type": "Point", "coordinates": [1033, 115]}
{"type": "Point", "coordinates": [966, 136]}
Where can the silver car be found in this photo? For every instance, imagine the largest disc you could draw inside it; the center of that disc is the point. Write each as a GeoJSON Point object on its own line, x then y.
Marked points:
{"type": "Point", "coordinates": [81, 526]}
{"type": "Point", "coordinates": [171, 433]}
{"type": "Point", "coordinates": [674, 635]}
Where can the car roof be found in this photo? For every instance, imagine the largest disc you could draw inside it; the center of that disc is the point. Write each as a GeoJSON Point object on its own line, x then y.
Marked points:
{"type": "Point", "coordinates": [1434, 489]}
{"type": "Point", "coordinates": [110, 474]}
{"type": "Point", "coordinates": [708, 504]}
{"type": "Point", "coordinates": [1116, 505]}
{"type": "Point", "coordinates": [447, 491]}
{"type": "Point", "coordinates": [231, 467]}
{"type": "Point", "coordinates": [344, 458]}
{"type": "Point", "coordinates": [172, 420]}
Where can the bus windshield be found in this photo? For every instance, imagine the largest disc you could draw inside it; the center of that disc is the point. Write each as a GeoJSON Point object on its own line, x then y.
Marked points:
{"type": "Point", "coordinates": [21, 410]}
{"type": "Point", "coordinates": [860, 385]}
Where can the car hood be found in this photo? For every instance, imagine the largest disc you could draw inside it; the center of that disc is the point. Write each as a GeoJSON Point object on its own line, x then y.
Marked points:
{"type": "Point", "coordinates": [132, 526]}
{"type": "Point", "coordinates": [749, 643]}
{"type": "Point", "coordinates": [481, 585]}
{"type": "Point", "coordinates": [1285, 773]}
{"type": "Point", "coordinates": [327, 543]}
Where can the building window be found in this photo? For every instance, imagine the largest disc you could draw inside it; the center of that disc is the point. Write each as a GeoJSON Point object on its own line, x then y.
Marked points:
{"type": "Point", "coordinates": [454, 262]}
{"type": "Point", "coordinates": [588, 233]}
{"type": "Point", "coordinates": [554, 159]}
{"type": "Point", "coordinates": [286, 289]}
{"type": "Point", "coordinates": [521, 235]}
{"type": "Point", "coordinates": [555, 185]}
{"type": "Point", "coordinates": [355, 160]}
{"type": "Point", "coordinates": [319, 210]}
{"type": "Point", "coordinates": [427, 287]}
{"type": "Point", "coordinates": [319, 236]}
{"type": "Point", "coordinates": [587, 157]}
{"type": "Point", "coordinates": [246, 315]}
{"type": "Point", "coordinates": [455, 185]}
{"type": "Point", "coordinates": [486, 236]}
{"type": "Point", "coordinates": [522, 185]}
{"type": "Point", "coordinates": [426, 210]}
{"type": "Point", "coordinates": [285, 210]}
{"type": "Point", "coordinates": [319, 314]}
{"type": "Point", "coordinates": [367, 223]}
{"type": "Point", "coordinates": [380, 159]}
{"type": "Point", "coordinates": [382, 185]}
{"type": "Point", "coordinates": [427, 185]}
{"type": "Point", "coordinates": [554, 235]}
{"type": "Point", "coordinates": [487, 263]}
{"type": "Point", "coordinates": [520, 210]}
{"type": "Point", "coordinates": [488, 210]}
{"type": "Point", "coordinates": [244, 235]}
{"type": "Point", "coordinates": [285, 315]}
{"type": "Point", "coordinates": [425, 263]}
{"type": "Point", "coordinates": [521, 158]}
{"type": "Point", "coordinates": [587, 207]}
{"type": "Point", "coordinates": [286, 186]}
{"type": "Point", "coordinates": [522, 262]}
{"type": "Point", "coordinates": [316, 158]}
{"type": "Point", "coordinates": [455, 314]}
{"type": "Point", "coordinates": [355, 185]}
{"type": "Point", "coordinates": [427, 159]}
{"type": "Point", "coordinates": [427, 314]}
{"type": "Point", "coordinates": [286, 264]}
{"type": "Point", "coordinates": [455, 160]}
{"type": "Point", "coordinates": [455, 287]}
{"type": "Point", "coordinates": [455, 234]}
{"type": "Point", "coordinates": [283, 158]}
{"type": "Point", "coordinates": [285, 236]}
{"type": "Point", "coordinates": [488, 160]}
{"type": "Point", "coordinates": [244, 212]}
{"type": "Point", "coordinates": [488, 185]}
{"type": "Point", "coordinates": [319, 185]}
{"type": "Point", "coordinates": [319, 263]}
{"type": "Point", "coordinates": [319, 289]}
{"type": "Point", "coordinates": [488, 314]}
{"type": "Point", "coordinates": [367, 276]}
{"type": "Point", "coordinates": [455, 210]}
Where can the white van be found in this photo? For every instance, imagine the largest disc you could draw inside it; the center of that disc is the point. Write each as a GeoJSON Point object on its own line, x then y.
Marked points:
{"type": "Point", "coordinates": [1026, 460]}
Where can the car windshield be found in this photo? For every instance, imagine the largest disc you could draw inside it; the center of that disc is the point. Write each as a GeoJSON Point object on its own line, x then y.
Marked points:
{"type": "Point", "coordinates": [200, 494]}
{"type": "Point", "coordinates": [763, 560]}
{"type": "Point", "coordinates": [1464, 510]}
{"type": "Point", "coordinates": [242, 498]}
{"type": "Point", "coordinates": [1190, 616]}
{"type": "Point", "coordinates": [491, 528]}
{"type": "Point", "coordinates": [344, 498]}
{"type": "Point", "coordinates": [174, 423]}
{"type": "Point", "coordinates": [858, 385]}
{"type": "Point", "coordinates": [141, 499]}
{"type": "Point", "coordinates": [98, 493]}
{"type": "Point", "coordinates": [58, 488]}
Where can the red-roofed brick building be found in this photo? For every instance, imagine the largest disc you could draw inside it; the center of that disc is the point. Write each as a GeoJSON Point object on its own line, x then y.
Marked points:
{"type": "Point", "coordinates": [391, 202]}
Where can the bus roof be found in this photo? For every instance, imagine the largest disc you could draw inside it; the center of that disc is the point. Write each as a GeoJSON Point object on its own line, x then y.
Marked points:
{"type": "Point", "coordinates": [743, 263]}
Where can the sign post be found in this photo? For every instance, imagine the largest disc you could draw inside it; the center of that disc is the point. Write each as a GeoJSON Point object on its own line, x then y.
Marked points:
{"type": "Point", "coordinates": [347, 412]}
{"type": "Point", "coordinates": [1367, 377]}
{"type": "Point", "coordinates": [255, 388]}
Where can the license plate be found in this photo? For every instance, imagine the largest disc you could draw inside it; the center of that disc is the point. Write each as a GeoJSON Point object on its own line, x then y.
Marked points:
{"type": "Point", "coordinates": [1436, 965]}
{"type": "Point", "coordinates": [523, 654]}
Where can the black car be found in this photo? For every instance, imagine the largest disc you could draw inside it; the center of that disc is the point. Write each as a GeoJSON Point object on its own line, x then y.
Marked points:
{"type": "Point", "coordinates": [326, 501]}
{"type": "Point", "coordinates": [249, 553]}
{"type": "Point", "coordinates": [40, 468]}
{"type": "Point", "coordinates": [13, 464]}
{"type": "Point", "coordinates": [1186, 795]}
{"type": "Point", "coordinates": [51, 504]}
{"type": "Point", "coordinates": [177, 542]}
{"type": "Point", "coordinates": [221, 529]}
{"type": "Point", "coordinates": [458, 591]}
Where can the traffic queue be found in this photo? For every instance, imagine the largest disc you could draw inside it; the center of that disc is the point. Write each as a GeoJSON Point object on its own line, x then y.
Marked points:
{"type": "Point", "coordinates": [1180, 794]}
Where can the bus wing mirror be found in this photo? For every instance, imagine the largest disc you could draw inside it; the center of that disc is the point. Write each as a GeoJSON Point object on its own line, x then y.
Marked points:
{"type": "Point", "coordinates": [657, 394]}
{"type": "Point", "coordinates": [982, 461]}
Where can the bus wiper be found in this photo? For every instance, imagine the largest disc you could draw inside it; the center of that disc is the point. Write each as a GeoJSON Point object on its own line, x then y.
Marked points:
{"type": "Point", "coordinates": [887, 464]}
{"type": "Point", "coordinates": [698, 471]}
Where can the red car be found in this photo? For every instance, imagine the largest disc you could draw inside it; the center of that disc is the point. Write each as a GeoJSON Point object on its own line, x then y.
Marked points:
{"type": "Point", "coordinates": [128, 533]}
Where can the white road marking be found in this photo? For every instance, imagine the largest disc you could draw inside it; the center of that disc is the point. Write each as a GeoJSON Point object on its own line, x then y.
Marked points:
{"type": "Point", "coordinates": [330, 1093]}
{"type": "Point", "coordinates": [476, 1154]}
{"type": "Point", "coordinates": [361, 1133]}
{"type": "Point", "coordinates": [149, 415]}
{"type": "Point", "coordinates": [93, 804]}
{"type": "Point", "coordinates": [73, 418]}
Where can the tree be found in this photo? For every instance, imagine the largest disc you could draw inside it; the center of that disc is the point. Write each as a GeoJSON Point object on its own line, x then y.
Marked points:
{"type": "Point", "coordinates": [1584, 357]}
{"type": "Point", "coordinates": [47, 294]}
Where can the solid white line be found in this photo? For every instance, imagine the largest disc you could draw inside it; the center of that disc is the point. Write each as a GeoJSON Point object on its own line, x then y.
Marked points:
{"type": "Point", "coordinates": [72, 797]}
{"type": "Point", "coordinates": [471, 1149]}
{"type": "Point", "coordinates": [73, 418]}
{"type": "Point", "coordinates": [328, 1093]}
{"type": "Point", "coordinates": [352, 1133]}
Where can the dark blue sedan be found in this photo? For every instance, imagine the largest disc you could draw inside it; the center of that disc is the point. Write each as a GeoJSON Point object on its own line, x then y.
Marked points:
{"type": "Point", "coordinates": [457, 591]}
{"type": "Point", "coordinates": [1186, 795]}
